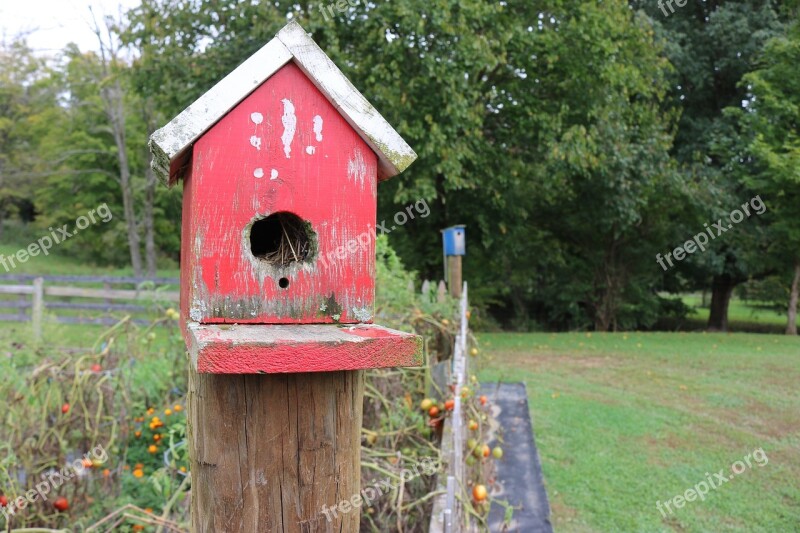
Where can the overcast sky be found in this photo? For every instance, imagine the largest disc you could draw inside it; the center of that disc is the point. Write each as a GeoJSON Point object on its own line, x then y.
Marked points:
{"type": "Point", "coordinates": [55, 23]}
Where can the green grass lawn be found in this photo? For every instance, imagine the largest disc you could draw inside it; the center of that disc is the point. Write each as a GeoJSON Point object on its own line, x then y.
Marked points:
{"type": "Point", "coordinates": [56, 264]}
{"type": "Point", "coordinates": [741, 314]}
{"type": "Point", "coordinates": [628, 419]}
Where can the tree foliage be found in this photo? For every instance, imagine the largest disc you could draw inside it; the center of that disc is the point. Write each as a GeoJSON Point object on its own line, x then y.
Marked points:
{"type": "Point", "coordinates": [575, 139]}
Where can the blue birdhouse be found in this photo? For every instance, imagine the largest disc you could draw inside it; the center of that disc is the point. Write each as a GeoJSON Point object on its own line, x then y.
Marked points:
{"type": "Point", "coordinates": [455, 240]}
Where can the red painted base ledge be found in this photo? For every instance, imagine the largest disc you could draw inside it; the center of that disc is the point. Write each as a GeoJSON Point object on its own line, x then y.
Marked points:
{"type": "Point", "coordinates": [275, 349]}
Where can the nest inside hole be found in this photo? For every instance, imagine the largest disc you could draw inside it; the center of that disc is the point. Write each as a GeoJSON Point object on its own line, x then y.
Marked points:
{"type": "Point", "coordinates": [281, 239]}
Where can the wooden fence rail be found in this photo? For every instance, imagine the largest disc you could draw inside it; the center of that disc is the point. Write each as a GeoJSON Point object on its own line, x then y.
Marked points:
{"type": "Point", "coordinates": [449, 515]}
{"type": "Point", "coordinates": [33, 295]}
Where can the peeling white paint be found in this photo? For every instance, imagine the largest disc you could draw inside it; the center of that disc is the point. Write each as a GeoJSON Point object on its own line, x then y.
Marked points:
{"type": "Point", "coordinates": [292, 43]}
{"type": "Point", "coordinates": [256, 117]}
{"type": "Point", "coordinates": [289, 121]}
{"type": "Point", "coordinates": [258, 173]}
{"type": "Point", "coordinates": [255, 140]}
{"type": "Point", "coordinates": [363, 314]}
{"type": "Point", "coordinates": [318, 128]}
{"type": "Point", "coordinates": [310, 150]}
{"type": "Point", "coordinates": [393, 152]}
{"type": "Point", "coordinates": [357, 168]}
{"type": "Point", "coordinates": [273, 175]}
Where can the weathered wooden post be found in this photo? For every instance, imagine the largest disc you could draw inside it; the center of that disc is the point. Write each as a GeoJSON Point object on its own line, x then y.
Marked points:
{"type": "Point", "coordinates": [37, 308]}
{"type": "Point", "coordinates": [280, 163]}
{"type": "Point", "coordinates": [454, 240]}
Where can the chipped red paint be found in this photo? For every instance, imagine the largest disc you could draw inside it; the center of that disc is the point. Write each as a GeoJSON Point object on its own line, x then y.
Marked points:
{"type": "Point", "coordinates": [332, 186]}
{"type": "Point", "coordinates": [236, 319]}
{"type": "Point", "coordinates": [367, 332]}
{"type": "Point", "coordinates": [308, 348]}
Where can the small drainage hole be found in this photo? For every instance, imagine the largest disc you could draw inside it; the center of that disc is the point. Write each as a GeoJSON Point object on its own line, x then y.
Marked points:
{"type": "Point", "coordinates": [283, 283]}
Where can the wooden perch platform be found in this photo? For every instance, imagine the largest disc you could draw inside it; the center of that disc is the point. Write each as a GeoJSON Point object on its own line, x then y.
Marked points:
{"type": "Point", "coordinates": [256, 349]}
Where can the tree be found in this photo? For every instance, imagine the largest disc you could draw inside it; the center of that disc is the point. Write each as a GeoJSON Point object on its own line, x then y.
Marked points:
{"type": "Point", "coordinates": [26, 102]}
{"type": "Point", "coordinates": [773, 115]}
{"type": "Point", "coordinates": [712, 45]}
{"type": "Point", "coordinates": [516, 112]}
{"type": "Point", "coordinates": [113, 100]}
{"type": "Point", "coordinates": [610, 138]}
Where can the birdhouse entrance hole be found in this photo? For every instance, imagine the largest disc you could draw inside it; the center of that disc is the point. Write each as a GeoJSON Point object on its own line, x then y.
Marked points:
{"type": "Point", "coordinates": [282, 239]}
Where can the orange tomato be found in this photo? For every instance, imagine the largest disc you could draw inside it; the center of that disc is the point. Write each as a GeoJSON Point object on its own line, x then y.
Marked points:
{"type": "Point", "coordinates": [479, 493]}
{"type": "Point", "coordinates": [61, 504]}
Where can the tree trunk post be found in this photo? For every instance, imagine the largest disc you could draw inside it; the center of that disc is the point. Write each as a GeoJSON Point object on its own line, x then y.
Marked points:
{"type": "Point", "coordinates": [791, 323]}
{"type": "Point", "coordinates": [454, 275]}
{"type": "Point", "coordinates": [278, 452]}
{"type": "Point", "coordinates": [454, 241]}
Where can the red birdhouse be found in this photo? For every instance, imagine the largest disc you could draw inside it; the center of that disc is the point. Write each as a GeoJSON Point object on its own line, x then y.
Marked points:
{"type": "Point", "coordinates": [280, 163]}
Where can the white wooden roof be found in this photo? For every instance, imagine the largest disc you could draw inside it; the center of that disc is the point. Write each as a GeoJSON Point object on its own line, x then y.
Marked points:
{"type": "Point", "coordinates": [172, 145]}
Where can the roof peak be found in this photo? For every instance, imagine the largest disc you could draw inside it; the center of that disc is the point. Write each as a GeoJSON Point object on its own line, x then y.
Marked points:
{"type": "Point", "coordinates": [172, 144]}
